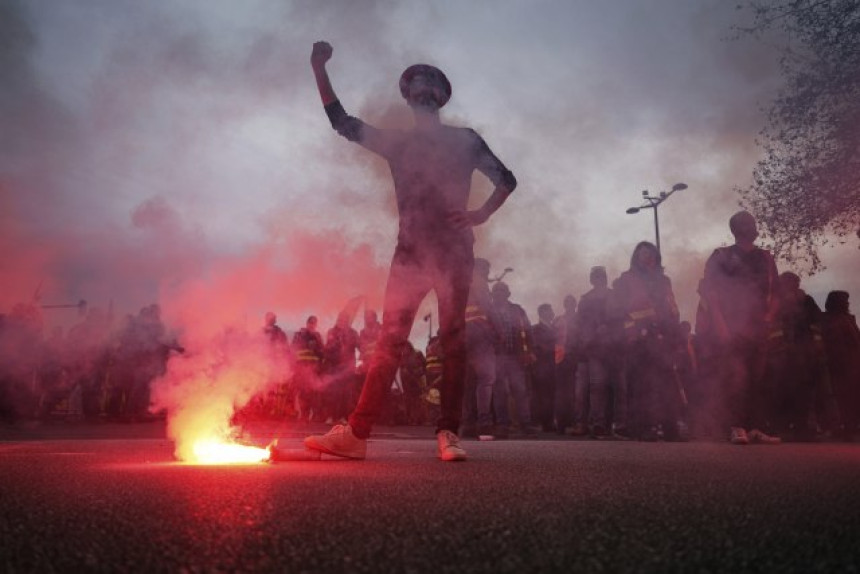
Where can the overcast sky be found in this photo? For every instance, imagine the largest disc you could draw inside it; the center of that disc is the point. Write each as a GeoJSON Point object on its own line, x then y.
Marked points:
{"type": "Point", "coordinates": [176, 151]}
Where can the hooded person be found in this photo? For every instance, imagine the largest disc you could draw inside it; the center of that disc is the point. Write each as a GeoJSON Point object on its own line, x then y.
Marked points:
{"type": "Point", "coordinates": [431, 166]}
{"type": "Point", "coordinates": [651, 326]}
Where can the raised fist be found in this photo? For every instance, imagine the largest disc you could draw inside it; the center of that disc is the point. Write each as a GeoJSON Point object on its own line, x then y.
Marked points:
{"type": "Point", "coordinates": [321, 53]}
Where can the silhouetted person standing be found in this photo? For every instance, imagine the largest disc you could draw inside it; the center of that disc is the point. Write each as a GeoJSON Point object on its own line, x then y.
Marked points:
{"type": "Point", "coordinates": [432, 166]}
{"type": "Point", "coordinates": [481, 339]}
{"type": "Point", "coordinates": [594, 372]}
{"type": "Point", "coordinates": [738, 303]}
{"type": "Point", "coordinates": [514, 354]}
{"type": "Point", "coordinates": [651, 326]}
{"type": "Point", "coordinates": [842, 344]}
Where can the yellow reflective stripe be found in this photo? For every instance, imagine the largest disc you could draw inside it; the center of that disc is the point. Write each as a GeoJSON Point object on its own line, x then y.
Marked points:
{"type": "Point", "coordinates": [643, 314]}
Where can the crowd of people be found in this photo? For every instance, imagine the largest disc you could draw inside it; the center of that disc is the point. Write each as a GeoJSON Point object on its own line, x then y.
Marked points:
{"type": "Point", "coordinates": [96, 370]}
{"type": "Point", "coordinates": [765, 362]}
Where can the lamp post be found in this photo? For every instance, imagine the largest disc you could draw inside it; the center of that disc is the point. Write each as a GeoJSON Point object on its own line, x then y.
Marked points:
{"type": "Point", "coordinates": [652, 202]}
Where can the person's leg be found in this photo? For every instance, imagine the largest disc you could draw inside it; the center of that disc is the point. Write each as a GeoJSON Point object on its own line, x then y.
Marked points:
{"type": "Point", "coordinates": [564, 385]}
{"type": "Point", "coordinates": [407, 286]}
{"type": "Point", "coordinates": [484, 363]}
{"type": "Point", "coordinates": [598, 395]}
{"type": "Point", "coordinates": [451, 283]}
{"type": "Point", "coordinates": [469, 416]}
{"type": "Point", "coordinates": [501, 392]}
{"type": "Point", "coordinates": [618, 378]}
{"type": "Point", "coordinates": [580, 397]}
{"type": "Point", "coordinates": [520, 391]}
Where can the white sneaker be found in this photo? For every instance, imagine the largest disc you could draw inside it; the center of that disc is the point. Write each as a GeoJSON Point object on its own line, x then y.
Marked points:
{"type": "Point", "coordinates": [339, 441]}
{"type": "Point", "coordinates": [762, 438]}
{"type": "Point", "coordinates": [449, 446]}
{"type": "Point", "coordinates": [739, 436]}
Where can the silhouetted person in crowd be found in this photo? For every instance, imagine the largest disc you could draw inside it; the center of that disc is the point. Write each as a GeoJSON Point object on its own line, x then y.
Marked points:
{"type": "Point", "coordinates": [341, 347]}
{"type": "Point", "coordinates": [21, 333]}
{"type": "Point", "coordinates": [481, 339]}
{"type": "Point", "coordinates": [797, 379]}
{"type": "Point", "coordinates": [598, 354]}
{"type": "Point", "coordinates": [737, 304]}
{"type": "Point", "coordinates": [842, 344]}
{"type": "Point", "coordinates": [514, 354]}
{"type": "Point", "coordinates": [53, 373]}
{"type": "Point", "coordinates": [279, 349]}
{"type": "Point", "coordinates": [651, 321]}
{"type": "Point", "coordinates": [412, 380]}
{"type": "Point", "coordinates": [308, 349]}
{"type": "Point", "coordinates": [566, 359]}
{"type": "Point", "coordinates": [432, 166]}
{"type": "Point", "coordinates": [543, 370]}
{"type": "Point", "coordinates": [277, 337]}
{"type": "Point", "coordinates": [368, 339]}
{"type": "Point", "coordinates": [87, 342]}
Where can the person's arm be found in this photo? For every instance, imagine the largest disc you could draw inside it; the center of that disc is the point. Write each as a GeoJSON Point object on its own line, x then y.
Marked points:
{"type": "Point", "coordinates": [346, 125]}
{"type": "Point", "coordinates": [501, 176]}
{"type": "Point", "coordinates": [321, 54]}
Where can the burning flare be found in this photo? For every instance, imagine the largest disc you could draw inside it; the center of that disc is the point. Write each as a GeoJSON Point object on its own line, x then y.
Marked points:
{"type": "Point", "coordinates": [202, 389]}
{"type": "Point", "coordinates": [218, 452]}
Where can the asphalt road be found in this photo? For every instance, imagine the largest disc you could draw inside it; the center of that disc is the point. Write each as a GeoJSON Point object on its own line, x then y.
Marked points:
{"type": "Point", "coordinates": [86, 503]}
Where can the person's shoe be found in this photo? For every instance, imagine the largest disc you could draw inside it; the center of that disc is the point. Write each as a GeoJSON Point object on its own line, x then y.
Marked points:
{"type": "Point", "coordinates": [501, 433]}
{"type": "Point", "coordinates": [620, 433]}
{"type": "Point", "coordinates": [578, 429]}
{"type": "Point", "coordinates": [485, 432]}
{"type": "Point", "coordinates": [739, 436]}
{"type": "Point", "coordinates": [449, 446]}
{"type": "Point", "coordinates": [530, 431]}
{"type": "Point", "coordinates": [760, 437]}
{"type": "Point", "coordinates": [598, 431]}
{"type": "Point", "coordinates": [339, 441]}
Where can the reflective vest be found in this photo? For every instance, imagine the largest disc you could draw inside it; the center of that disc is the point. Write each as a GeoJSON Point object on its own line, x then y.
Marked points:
{"type": "Point", "coordinates": [474, 314]}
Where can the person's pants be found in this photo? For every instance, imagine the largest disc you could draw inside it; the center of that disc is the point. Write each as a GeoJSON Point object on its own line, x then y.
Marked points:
{"type": "Point", "coordinates": [543, 393]}
{"type": "Point", "coordinates": [481, 378]}
{"type": "Point", "coordinates": [511, 382]}
{"type": "Point", "coordinates": [654, 398]}
{"type": "Point", "coordinates": [592, 393]}
{"type": "Point", "coordinates": [413, 275]}
{"type": "Point", "coordinates": [741, 373]}
{"type": "Point", "coordinates": [564, 393]}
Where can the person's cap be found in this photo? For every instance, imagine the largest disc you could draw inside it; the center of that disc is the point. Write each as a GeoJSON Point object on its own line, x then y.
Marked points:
{"type": "Point", "coordinates": [430, 72]}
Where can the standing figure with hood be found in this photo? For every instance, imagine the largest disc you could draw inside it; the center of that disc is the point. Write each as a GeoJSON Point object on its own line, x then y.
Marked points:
{"type": "Point", "coordinates": [432, 166]}
{"type": "Point", "coordinates": [651, 327]}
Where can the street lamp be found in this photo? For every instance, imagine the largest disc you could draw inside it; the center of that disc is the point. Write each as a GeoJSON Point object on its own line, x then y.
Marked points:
{"type": "Point", "coordinates": [652, 202]}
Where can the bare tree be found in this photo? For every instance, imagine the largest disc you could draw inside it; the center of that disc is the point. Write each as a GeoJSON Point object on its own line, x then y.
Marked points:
{"type": "Point", "coordinates": [806, 189]}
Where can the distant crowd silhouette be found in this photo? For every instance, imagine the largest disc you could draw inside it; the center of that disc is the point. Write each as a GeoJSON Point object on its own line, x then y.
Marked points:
{"type": "Point", "coordinates": [765, 363]}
